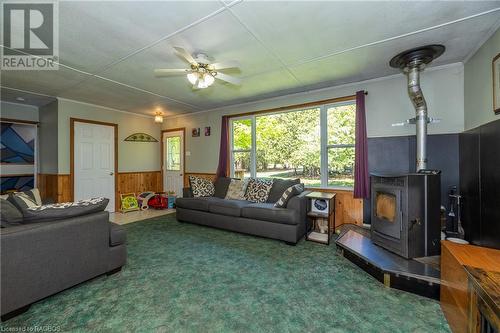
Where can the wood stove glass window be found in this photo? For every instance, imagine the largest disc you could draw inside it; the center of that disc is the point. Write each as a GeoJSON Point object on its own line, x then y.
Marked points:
{"type": "Point", "coordinates": [385, 206]}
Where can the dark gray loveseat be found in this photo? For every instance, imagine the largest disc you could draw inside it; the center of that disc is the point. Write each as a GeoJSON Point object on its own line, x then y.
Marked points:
{"type": "Point", "coordinates": [41, 259]}
{"type": "Point", "coordinates": [260, 219]}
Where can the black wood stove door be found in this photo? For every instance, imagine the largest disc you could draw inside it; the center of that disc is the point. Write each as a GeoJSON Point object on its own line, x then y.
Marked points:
{"type": "Point", "coordinates": [386, 211]}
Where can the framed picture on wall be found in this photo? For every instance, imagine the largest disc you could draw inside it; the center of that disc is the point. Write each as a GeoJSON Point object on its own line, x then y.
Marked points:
{"type": "Point", "coordinates": [496, 83]}
{"type": "Point", "coordinates": [207, 131]}
{"type": "Point", "coordinates": [195, 132]}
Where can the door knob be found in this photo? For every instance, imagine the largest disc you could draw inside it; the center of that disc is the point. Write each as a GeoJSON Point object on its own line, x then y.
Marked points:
{"type": "Point", "coordinates": [111, 173]}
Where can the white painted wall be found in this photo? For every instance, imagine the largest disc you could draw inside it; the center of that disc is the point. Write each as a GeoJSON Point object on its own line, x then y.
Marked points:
{"type": "Point", "coordinates": [478, 94]}
{"type": "Point", "coordinates": [18, 111]}
{"type": "Point", "coordinates": [387, 102]}
{"type": "Point", "coordinates": [132, 156]}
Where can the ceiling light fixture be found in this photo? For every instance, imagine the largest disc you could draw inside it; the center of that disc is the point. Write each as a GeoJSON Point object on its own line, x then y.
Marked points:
{"type": "Point", "coordinates": [201, 77]}
{"type": "Point", "coordinates": [159, 118]}
{"type": "Point", "coordinates": [202, 72]}
{"type": "Point", "coordinates": [193, 78]}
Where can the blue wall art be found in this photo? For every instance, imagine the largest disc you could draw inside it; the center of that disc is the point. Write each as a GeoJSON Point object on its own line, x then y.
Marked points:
{"type": "Point", "coordinates": [17, 153]}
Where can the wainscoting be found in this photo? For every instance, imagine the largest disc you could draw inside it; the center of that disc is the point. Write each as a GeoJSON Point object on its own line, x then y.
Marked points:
{"type": "Point", "coordinates": [209, 176]}
{"type": "Point", "coordinates": [138, 182]}
{"type": "Point", "coordinates": [57, 187]}
{"type": "Point", "coordinates": [348, 209]}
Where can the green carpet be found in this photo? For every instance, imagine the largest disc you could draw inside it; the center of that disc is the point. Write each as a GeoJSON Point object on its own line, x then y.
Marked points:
{"type": "Point", "coordinates": [186, 278]}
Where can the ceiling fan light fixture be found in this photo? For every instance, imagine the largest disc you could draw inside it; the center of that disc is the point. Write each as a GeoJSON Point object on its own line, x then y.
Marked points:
{"type": "Point", "coordinates": [202, 72]}
{"type": "Point", "coordinates": [193, 77]}
{"type": "Point", "coordinates": [209, 79]}
{"type": "Point", "coordinates": [202, 84]}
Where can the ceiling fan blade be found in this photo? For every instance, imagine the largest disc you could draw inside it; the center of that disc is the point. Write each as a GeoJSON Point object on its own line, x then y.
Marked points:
{"type": "Point", "coordinates": [185, 54]}
{"type": "Point", "coordinates": [225, 64]}
{"type": "Point", "coordinates": [169, 71]}
{"type": "Point", "coordinates": [228, 78]}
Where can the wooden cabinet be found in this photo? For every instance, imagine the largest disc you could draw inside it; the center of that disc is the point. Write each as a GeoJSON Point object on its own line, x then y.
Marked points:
{"type": "Point", "coordinates": [455, 282]}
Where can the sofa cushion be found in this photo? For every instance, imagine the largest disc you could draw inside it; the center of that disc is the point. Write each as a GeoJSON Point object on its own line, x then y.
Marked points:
{"type": "Point", "coordinates": [10, 215]}
{"type": "Point", "coordinates": [258, 189]}
{"type": "Point", "coordinates": [227, 207]}
{"type": "Point", "coordinates": [221, 184]}
{"type": "Point", "coordinates": [279, 187]}
{"type": "Point", "coordinates": [63, 210]}
{"type": "Point", "coordinates": [267, 212]}
{"type": "Point", "coordinates": [199, 203]}
{"type": "Point", "coordinates": [117, 234]}
{"type": "Point", "coordinates": [201, 187]}
{"type": "Point", "coordinates": [288, 194]}
{"type": "Point", "coordinates": [236, 189]}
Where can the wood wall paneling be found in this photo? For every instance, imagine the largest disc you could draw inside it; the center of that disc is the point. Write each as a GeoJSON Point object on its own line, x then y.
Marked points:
{"type": "Point", "coordinates": [209, 176]}
{"type": "Point", "coordinates": [347, 209]}
{"type": "Point", "coordinates": [58, 187]}
{"type": "Point", "coordinates": [55, 186]}
{"type": "Point", "coordinates": [138, 182]}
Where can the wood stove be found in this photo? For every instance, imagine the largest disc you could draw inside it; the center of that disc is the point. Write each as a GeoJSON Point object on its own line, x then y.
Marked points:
{"type": "Point", "coordinates": [406, 213]}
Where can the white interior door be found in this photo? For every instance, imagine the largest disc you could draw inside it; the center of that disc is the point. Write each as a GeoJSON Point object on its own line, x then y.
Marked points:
{"type": "Point", "coordinates": [94, 162]}
{"type": "Point", "coordinates": [173, 164]}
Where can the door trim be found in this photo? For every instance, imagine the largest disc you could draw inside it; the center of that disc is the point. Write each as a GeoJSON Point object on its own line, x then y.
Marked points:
{"type": "Point", "coordinates": [179, 129]}
{"type": "Point", "coordinates": [72, 154]}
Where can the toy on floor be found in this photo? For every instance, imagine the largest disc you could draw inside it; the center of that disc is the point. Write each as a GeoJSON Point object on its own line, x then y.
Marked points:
{"type": "Point", "coordinates": [158, 201]}
{"type": "Point", "coordinates": [144, 198]}
{"type": "Point", "coordinates": [171, 199]}
{"type": "Point", "coordinates": [128, 202]}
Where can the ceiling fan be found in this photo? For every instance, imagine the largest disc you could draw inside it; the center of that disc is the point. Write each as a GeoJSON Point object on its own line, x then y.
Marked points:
{"type": "Point", "coordinates": [202, 73]}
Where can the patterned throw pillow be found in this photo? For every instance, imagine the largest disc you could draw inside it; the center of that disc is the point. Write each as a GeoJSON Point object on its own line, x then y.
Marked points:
{"type": "Point", "coordinates": [201, 187]}
{"type": "Point", "coordinates": [288, 194]}
{"type": "Point", "coordinates": [258, 189]}
{"type": "Point", "coordinates": [27, 199]}
{"type": "Point", "coordinates": [236, 189]}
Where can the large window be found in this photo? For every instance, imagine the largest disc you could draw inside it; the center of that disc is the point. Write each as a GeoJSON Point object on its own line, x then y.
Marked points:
{"type": "Point", "coordinates": [315, 145]}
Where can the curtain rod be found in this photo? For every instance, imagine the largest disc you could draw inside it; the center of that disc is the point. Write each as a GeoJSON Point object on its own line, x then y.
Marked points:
{"type": "Point", "coordinates": [297, 106]}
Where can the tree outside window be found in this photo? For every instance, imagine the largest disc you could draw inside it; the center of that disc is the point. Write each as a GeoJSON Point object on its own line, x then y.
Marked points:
{"type": "Point", "coordinates": [289, 145]}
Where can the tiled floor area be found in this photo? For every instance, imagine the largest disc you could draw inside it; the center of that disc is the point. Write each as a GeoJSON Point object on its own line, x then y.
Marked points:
{"type": "Point", "coordinates": [124, 218]}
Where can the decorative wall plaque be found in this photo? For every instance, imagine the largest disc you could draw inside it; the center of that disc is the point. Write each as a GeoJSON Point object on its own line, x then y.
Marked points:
{"type": "Point", "coordinates": [140, 137]}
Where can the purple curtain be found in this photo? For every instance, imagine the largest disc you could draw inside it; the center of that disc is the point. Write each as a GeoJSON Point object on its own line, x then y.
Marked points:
{"type": "Point", "coordinates": [224, 138]}
{"type": "Point", "coordinates": [361, 177]}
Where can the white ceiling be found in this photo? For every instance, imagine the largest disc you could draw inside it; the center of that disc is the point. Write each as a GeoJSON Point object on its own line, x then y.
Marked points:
{"type": "Point", "coordinates": [109, 49]}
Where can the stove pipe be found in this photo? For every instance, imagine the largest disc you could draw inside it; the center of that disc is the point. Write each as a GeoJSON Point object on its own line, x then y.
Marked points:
{"type": "Point", "coordinates": [412, 62]}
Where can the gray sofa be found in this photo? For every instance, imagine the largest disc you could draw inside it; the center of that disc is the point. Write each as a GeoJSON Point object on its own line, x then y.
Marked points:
{"type": "Point", "coordinates": [41, 259]}
{"type": "Point", "coordinates": [260, 219]}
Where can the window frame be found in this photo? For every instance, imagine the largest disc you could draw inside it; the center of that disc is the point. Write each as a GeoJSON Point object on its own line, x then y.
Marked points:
{"type": "Point", "coordinates": [324, 146]}
{"type": "Point", "coordinates": [252, 150]}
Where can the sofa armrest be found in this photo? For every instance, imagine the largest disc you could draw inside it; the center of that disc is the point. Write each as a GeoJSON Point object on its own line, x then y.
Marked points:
{"type": "Point", "coordinates": [299, 204]}
{"type": "Point", "coordinates": [187, 192]}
